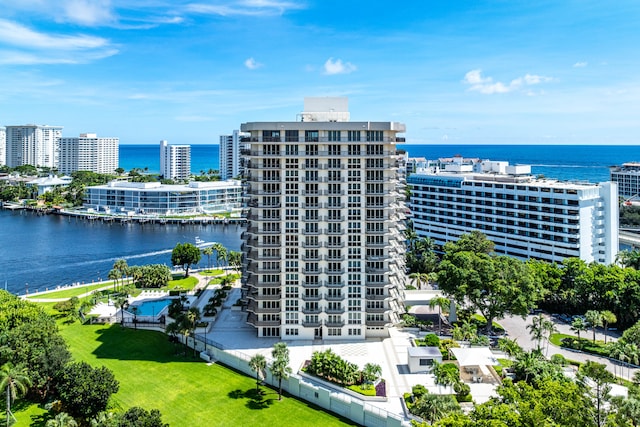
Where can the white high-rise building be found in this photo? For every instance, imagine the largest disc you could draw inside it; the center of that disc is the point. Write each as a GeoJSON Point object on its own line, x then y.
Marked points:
{"type": "Point", "coordinates": [524, 216]}
{"type": "Point", "coordinates": [33, 145]}
{"type": "Point", "coordinates": [3, 146]}
{"type": "Point", "coordinates": [230, 154]}
{"type": "Point", "coordinates": [175, 161]}
{"type": "Point", "coordinates": [324, 248]}
{"type": "Point", "coordinates": [88, 152]}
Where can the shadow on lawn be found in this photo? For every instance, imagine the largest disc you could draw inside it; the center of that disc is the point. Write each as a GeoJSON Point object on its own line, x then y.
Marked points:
{"type": "Point", "coordinates": [256, 399]}
{"type": "Point", "coordinates": [116, 342]}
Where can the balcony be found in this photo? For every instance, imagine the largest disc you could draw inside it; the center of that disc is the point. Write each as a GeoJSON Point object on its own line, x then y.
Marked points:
{"type": "Point", "coordinates": [334, 323]}
{"type": "Point", "coordinates": [334, 310]}
{"type": "Point", "coordinates": [252, 319]}
{"type": "Point", "coordinates": [376, 297]}
{"type": "Point", "coordinates": [338, 297]}
{"type": "Point", "coordinates": [311, 297]}
{"type": "Point", "coordinates": [376, 322]}
{"type": "Point", "coordinates": [254, 308]}
{"type": "Point", "coordinates": [313, 324]}
{"type": "Point", "coordinates": [312, 310]}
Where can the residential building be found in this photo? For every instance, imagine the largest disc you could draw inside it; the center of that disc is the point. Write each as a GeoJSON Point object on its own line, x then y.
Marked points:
{"type": "Point", "coordinates": [524, 216]}
{"type": "Point", "coordinates": [324, 252]}
{"type": "Point", "coordinates": [88, 152]}
{"type": "Point", "coordinates": [230, 154]}
{"type": "Point", "coordinates": [628, 178]}
{"type": "Point", "coordinates": [175, 161]}
{"type": "Point", "coordinates": [3, 148]}
{"type": "Point", "coordinates": [49, 183]}
{"type": "Point", "coordinates": [33, 145]}
{"type": "Point", "coordinates": [160, 199]}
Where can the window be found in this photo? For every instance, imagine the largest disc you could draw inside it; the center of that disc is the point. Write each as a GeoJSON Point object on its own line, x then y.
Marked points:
{"type": "Point", "coordinates": [334, 135]}
{"type": "Point", "coordinates": [311, 136]}
{"type": "Point", "coordinates": [353, 135]}
{"type": "Point", "coordinates": [426, 362]}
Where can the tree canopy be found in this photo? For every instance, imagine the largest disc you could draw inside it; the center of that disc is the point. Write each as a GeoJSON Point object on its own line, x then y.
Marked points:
{"type": "Point", "coordinates": [185, 255]}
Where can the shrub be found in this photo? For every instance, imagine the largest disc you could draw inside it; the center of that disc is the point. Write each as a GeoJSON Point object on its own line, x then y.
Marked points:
{"type": "Point", "coordinates": [558, 359]}
{"type": "Point", "coordinates": [419, 390]}
{"type": "Point", "coordinates": [409, 320]}
{"type": "Point", "coordinates": [431, 340]}
{"type": "Point", "coordinates": [445, 345]}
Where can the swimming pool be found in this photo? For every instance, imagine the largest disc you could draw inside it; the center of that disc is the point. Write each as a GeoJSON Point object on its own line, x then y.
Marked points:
{"type": "Point", "coordinates": [151, 307]}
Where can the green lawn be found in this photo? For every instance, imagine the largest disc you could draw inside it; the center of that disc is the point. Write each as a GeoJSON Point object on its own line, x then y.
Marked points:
{"type": "Point", "coordinates": [187, 391]}
{"type": "Point", "coordinates": [72, 291]}
{"type": "Point", "coordinates": [183, 283]}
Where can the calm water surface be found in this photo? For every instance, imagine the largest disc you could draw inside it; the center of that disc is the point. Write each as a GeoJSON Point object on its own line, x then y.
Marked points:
{"type": "Point", "coordinates": [42, 252]}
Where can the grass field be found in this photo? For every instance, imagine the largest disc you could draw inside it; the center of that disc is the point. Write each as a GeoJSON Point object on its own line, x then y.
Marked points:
{"type": "Point", "coordinates": [72, 291]}
{"type": "Point", "coordinates": [182, 283]}
{"type": "Point", "coordinates": [187, 391]}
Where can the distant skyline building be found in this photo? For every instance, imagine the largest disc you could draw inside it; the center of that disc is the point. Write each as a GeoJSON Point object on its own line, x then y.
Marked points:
{"type": "Point", "coordinates": [324, 247]}
{"type": "Point", "coordinates": [524, 216]}
{"type": "Point", "coordinates": [88, 152]}
{"type": "Point", "coordinates": [230, 154]}
{"type": "Point", "coordinates": [3, 146]}
{"type": "Point", "coordinates": [32, 145]}
{"type": "Point", "coordinates": [628, 178]}
{"type": "Point", "coordinates": [175, 161]}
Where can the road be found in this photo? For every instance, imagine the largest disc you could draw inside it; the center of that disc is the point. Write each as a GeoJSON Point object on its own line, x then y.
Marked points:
{"type": "Point", "coordinates": [516, 328]}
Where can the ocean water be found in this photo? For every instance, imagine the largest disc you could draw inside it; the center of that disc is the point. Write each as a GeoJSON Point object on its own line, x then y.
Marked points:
{"type": "Point", "coordinates": [564, 162]}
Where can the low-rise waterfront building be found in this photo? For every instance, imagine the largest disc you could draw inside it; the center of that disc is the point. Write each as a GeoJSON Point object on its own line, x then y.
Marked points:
{"type": "Point", "coordinates": [159, 199]}
{"type": "Point", "coordinates": [175, 161]}
{"type": "Point", "coordinates": [628, 178]}
{"type": "Point", "coordinates": [88, 152]}
{"type": "Point", "coordinates": [524, 216]}
{"type": "Point", "coordinates": [48, 183]}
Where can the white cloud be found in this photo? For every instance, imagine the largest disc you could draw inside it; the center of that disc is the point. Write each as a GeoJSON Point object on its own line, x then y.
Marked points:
{"type": "Point", "coordinates": [338, 67]}
{"type": "Point", "coordinates": [487, 86]}
{"type": "Point", "coordinates": [251, 64]}
{"type": "Point", "coordinates": [18, 35]}
{"type": "Point", "coordinates": [88, 12]}
{"type": "Point", "coordinates": [245, 8]}
{"type": "Point", "coordinates": [580, 64]}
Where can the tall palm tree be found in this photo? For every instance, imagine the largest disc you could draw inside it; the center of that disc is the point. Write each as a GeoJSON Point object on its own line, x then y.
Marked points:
{"type": "Point", "coordinates": [235, 260]}
{"type": "Point", "coordinates": [633, 356]}
{"type": "Point", "coordinates": [443, 304]}
{"type": "Point", "coordinates": [221, 253]}
{"type": "Point", "coordinates": [15, 381]}
{"type": "Point", "coordinates": [280, 366]}
{"type": "Point", "coordinates": [62, 420]}
{"type": "Point", "coordinates": [617, 351]}
{"type": "Point", "coordinates": [536, 329]}
{"type": "Point", "coordinates": [579, 325]}
{"type": "Point", "coordinates": [121, 302]}
{"type": "Point", "coordinates": [509, 346]}
{"type": "Point", "coordinates": [548, 328]}
{"type": "Point", "coordinates": [594, 317]}
{"type": "Point", "coordinates": [608, 318]}
{"type": "Point", "coordinates": [208, 251]}
{"type": "Point", "coordinates": [258, 363]}
{"type": "Point", "coordinates": [193, 316]}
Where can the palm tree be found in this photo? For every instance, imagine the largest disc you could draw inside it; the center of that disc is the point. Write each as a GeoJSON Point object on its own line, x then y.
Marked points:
{"type": "Point", "coordinates": [122, 268]}
{"type": "Point", "coordinates": [193, 316]}
{"type": "Point", "coordinates": [113, 275]}
{"type": "Point", "coordinates": [15, 381]}
{"type": "Point", "coordinates": [235, 260]}
{"type": "Point", "coordinates": [579, 325]}
{"type": "Point", "coordinates": [536, 329]}
{"type": "Point", "coordinates": [62, 420]}
{"type": "Point", "coordinates": [608, 318]}
{"type": "Point", "coordinates": [420, 278]}
{"type": "Point", "coordinates": [220, 250]}
{"type": "Point", "coordinates": [443, 304]}
{"type": "Point", "coordinates": [509, 346]}
{"type": "Point", "coordinates": [432, 407]}
{"type": "Point", "coordinates": [258, 363]}
{"type": "Point", "coordinates": [594, 318]}
{"type": "Point", "coordinates": [370, 373]}
{"type": "Point", "coordinates": [617, 351]}
{"type": "Point", "coordinates": [208, 251]}
{"type": "Point", "coordinates": [173, 329]}
{"type": "Point", "coordinates": [633, 355]}
{"type": "Point", "coordinates": [629, 258]}
{"type": "Point", "coordinates": [548, 328]}
{"type": "Point", "coordinates": [280, 366]}
{"type": "Point", "coordinates": [121, 302]}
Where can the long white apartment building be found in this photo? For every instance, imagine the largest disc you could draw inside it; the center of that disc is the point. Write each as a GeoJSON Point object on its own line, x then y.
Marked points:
{"type": "Point", "coordinates": [33, 145]}
{"type": "Point", "coordinates": [3, 146]}
{"type": "Point", "coordinates": [230, 157]}
{"type": "Point", "coordinates": [627, 177]}
{"type": "Point", "coordinates": [524, 216]}
{"type": "Point", "coordinates": [324, 251]}
{"type": "Point", "coordinates": [175, 161]}
{"type": "Point", "coordinates": [88, 152]}
{"type": "Point", "coordinates": [159, 199]}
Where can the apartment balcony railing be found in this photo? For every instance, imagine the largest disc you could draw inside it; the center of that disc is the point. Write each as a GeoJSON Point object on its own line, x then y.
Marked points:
{"type": "Point", "coordinates": [339, 297]}
{"type": "Point", "coordinates": [311, 297]}
{"type": "Point", "coordinates": [334, 323]}
{"type": "Point", "coordinates": [339, 310]}
{"type": "Point", "coordinates": [313, 324]}
{"type": "Point", "coordinates": [312, 310]}
{"type": "Point", "coordinates": [376, 322]}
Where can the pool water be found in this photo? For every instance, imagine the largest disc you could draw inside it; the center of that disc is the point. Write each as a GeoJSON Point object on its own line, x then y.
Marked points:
{"type": "Point", "coordinates": [150, 308]}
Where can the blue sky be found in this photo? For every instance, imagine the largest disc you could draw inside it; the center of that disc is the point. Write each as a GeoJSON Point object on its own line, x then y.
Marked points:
{"type": "Point", "coordinates": [459, 72]}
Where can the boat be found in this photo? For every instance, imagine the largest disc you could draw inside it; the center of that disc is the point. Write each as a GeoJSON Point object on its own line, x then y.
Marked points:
{"type": "Point", "coordinates": [199, 241]}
